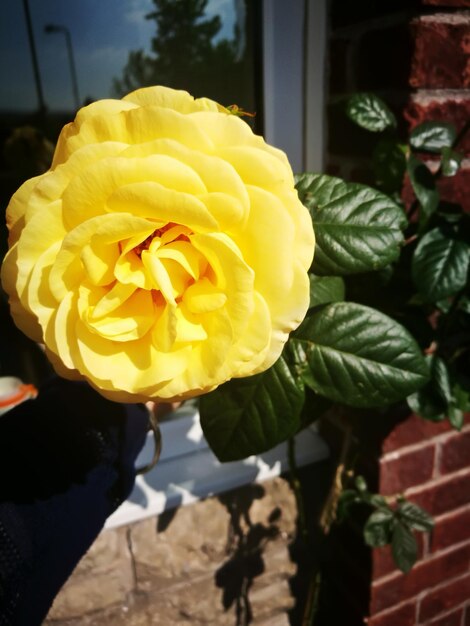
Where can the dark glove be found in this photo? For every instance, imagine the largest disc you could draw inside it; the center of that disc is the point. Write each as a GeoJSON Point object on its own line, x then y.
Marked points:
{"type": "Point", "coordinates": [66, 463]}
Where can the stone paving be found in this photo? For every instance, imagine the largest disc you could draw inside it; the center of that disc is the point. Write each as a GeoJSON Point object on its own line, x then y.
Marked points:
{"type": "Point", "coordinates": [198, 565]}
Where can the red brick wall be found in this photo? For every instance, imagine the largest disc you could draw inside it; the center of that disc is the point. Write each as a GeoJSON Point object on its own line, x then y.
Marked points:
{"type": "Point", "coordinates": [416, 55]}
{"type": "Point", "coordinates": [429, 463]}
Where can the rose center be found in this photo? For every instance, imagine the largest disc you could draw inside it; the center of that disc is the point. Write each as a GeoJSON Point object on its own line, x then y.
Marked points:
{"type": "Point", "coordinates": [168, 233]}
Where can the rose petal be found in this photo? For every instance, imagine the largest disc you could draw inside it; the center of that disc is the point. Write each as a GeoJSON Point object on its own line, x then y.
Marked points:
{"type": "Point", "coordinates": [138, 126]}
{"type": "Point", "coordinates": [153, 201]}
{"type": "Point", "coordinates": [97, 110]}
{"type": "Point", "coordinates": [17, 207]}
{"type": "Point", "coordinates": [165, 97]}
{"type": "Point", "coordinates": [68, 269]}
{"type": "Point", "coordinates": [111, 300]}
{"type": "Point", "coordinates": [42, 231]}
{"type": "Point", "coordinates": [39, 296]}
{"type": "Point", "coordinates": [99, 260]}
{"type": "Point", "coordinates": [204, 297]}
{"type": "Point", "coordinates": [185, 255]}
{"type": "Point", "coordinates": [249, 355]}
{"type": "Point", "coordinates": [256, 167]}
{"type": "Point", "coordinates": [131, 320]}
{"type": "Point", "coordinates": [232, 275]}
{"type": "Point", "coordinates": [132, 367]}
{"type": "Point", "coordinates": [268, 244]}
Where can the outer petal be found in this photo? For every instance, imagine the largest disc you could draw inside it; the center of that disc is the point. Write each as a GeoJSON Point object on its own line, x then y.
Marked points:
{"type": "Point", "coordinates": [167, 98]}
{"type": "Point", "coordinates": [139, 125]}
{"type": "Point", "coordinates": [16, 209]}
{"type": "Point", "coordinates": [99, 110]}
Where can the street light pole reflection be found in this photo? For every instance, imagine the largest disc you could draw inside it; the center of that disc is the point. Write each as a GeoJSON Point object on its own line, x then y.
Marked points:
{"type": "Point", "coordinates": [57, 28]}
{"type": "Point", "coordinates": [34, 58]}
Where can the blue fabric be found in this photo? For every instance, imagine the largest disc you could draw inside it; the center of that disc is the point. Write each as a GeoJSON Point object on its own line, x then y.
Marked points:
{"type": "Point", "coordinates": [66, 462]}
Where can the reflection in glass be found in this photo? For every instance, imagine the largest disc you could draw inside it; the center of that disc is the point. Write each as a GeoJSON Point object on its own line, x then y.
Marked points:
{"type": "Point", "coordinates": [189, 51]}
{"type": "Point", "coordinates": [203, 46]}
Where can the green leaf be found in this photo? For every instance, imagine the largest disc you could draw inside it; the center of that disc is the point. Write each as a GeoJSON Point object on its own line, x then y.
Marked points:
{"type": "Point", "coordinates": [295, 359]}
{"type": "Point", "coordinates": [464, 304]}
{"type": "Point", "coordinates": [451, 161]}
{"type": "Point", "coordinates": [377, 529]}
{"type": "Point", "coordinates": [426, 405]}
{"type": "Point", "coordinates": [324, 289]}
{"type": "Point", "coordinates": [360, 484]}
{"type": "Point", "coordinates": [415, 517]}
{"type": "Point", "coordinates": [440, 378]}
{"type": "Point", "coordinates": [432, 136]}
{"type": "Point", "coordinates": [370, 112]}
{"type": "Point", "coordinates": [424, 186]}
{"type": "Point", "coordinates": [444, 305]}
{"type": "Point", "coordinates": [358, 356]}
{"type": "Point", "coordinates": [358, 229]}
{"type": "Point", "coordinates": [461, 397]}
{"type": "Point", "coordinates": [456, 417]}
{"type": "Point", "coordinates": [314, 407]}
{"type": "Point", "coordinates": [378, 501]}
{"type": "Point", "coordinates": [431, 401]}
{"type": "Point", "coordinates": [404, 547]}
{"type": "Point", "coordinates": [440, 264]}
{"type": "Point", "coordinates": [389, 162]}
{"type": "Point", "coordinates": [248, 416]}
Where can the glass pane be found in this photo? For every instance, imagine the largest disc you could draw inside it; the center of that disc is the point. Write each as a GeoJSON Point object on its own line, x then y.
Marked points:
{"type": "Point", "coordinates": [56, 55]}
{"type": "Point", "coordinates": [203, 46]}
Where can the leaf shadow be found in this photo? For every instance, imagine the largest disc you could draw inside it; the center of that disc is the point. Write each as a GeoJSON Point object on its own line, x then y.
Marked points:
{"type": "Point", "coordinates": [245, 545]}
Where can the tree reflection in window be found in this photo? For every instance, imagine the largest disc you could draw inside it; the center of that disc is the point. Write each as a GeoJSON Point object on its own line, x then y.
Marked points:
{"type": "Point", "coordinates": [188, 54]}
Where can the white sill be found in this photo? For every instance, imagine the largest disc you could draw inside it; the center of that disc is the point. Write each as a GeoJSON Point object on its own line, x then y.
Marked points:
{"type": "Point", "coordinates": [188, 470]}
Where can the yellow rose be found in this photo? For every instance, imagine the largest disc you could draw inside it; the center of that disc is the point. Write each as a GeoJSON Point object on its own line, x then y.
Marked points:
{"type": "Point", "coordinates": [165, 251]}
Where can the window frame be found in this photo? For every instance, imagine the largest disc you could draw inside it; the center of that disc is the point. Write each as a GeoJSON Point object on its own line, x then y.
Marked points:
{"type": "Point", "coordinates": [188, 470]}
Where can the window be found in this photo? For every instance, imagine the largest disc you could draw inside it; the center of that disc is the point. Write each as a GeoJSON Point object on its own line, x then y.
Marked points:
{"type": "Point", "coordinates": [294, 46]}
{"type": "Point", "coordinates": [263, 55]}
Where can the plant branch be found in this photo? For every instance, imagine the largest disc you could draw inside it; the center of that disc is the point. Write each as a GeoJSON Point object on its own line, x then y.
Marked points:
{"type": "Point", "coordinates": [297, 489]}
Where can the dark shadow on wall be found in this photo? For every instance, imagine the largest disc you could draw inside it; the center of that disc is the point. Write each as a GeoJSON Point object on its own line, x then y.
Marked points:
{"type": "Point", "coordinates": [334, 570]}
{"type": "Point", "coordinates": [245, 545]}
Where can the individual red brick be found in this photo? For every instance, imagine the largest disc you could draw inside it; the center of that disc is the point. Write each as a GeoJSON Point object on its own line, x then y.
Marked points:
{"type": "Point", "coordinates": [404, 615]}
{"type": "Point", "coordinates": [413, 430]}
{"type": "Point", "coordinates": [446, 495]}
{"type": "Point", "coordinates": [450, 619]}
{"type": "Point", "coordinates": [428, 573]}
{"type": "Point", "coordinates": [451, 529]}
{"type": "Point", "coordinates": [455, 453]}
{"type": "Point", "coordinates": [383, 562]}
{"type": "Point", "coordinates": [440, 59]}
{"type": "Point", "coordinates": [444, 598]}
{"type": "Point", "coordinates": [407, 470]}
{"type": "Point", "coordinates": [453, 110]}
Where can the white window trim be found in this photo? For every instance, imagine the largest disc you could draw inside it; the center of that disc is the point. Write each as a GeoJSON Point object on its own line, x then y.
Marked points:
{"type": "Point", "coordinates": [294, 80]}
{"type": "Point", "coordinates": [294, 121]}
{"type": "Point", "coordinates": [189, 471]}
